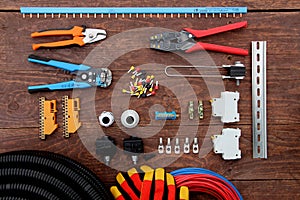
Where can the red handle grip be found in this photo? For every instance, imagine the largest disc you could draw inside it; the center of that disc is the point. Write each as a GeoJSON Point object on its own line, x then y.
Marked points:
{"type": "Point", "coordinates": [217, 48]}
{"type": "Point", "coordinates": [212, 31]}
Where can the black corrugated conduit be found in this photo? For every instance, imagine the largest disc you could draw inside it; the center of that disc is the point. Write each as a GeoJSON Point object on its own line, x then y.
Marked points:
{"type": "Point", "coordinates": [46, 175]}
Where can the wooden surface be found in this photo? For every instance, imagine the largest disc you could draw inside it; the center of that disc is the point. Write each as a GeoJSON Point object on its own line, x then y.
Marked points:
{"type": "Point", "coordinates": [277, 22]}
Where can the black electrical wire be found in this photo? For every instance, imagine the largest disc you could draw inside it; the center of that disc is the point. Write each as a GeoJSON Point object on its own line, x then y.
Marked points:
{"type": "Point", "coordinates": [46, 175]}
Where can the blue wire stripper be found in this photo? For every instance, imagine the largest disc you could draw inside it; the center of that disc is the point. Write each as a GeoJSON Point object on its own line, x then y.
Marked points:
{"type": "Point", "coordinates": [85, 76]}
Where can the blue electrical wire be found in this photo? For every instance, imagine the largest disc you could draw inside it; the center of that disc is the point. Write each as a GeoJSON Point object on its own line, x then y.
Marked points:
{"type": "Point", "coordinates": [188, 171]}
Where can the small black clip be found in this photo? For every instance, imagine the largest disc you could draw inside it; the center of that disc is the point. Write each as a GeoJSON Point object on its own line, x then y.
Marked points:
{"type": "Point", "coordinates": [106, 148]}
{"type": "Point", "coordinates": [133, 145]}
{"type": "Point", "coordinates": [236, 71]}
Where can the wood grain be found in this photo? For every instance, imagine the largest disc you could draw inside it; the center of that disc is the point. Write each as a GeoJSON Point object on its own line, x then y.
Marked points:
{"type": "Point", "coordinates": [275, 178]}
{"type": "Point", "coordinates": [283, 150]}
{"type": "Point", "coordinates": [281, 109]}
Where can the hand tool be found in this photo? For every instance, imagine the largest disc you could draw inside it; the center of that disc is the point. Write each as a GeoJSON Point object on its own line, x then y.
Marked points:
{"type": "Point", "coordinates": [81, 36]}
{"type": "Point", "coordinates": [175, 12]}
{"type": "Point", "coordinates": [184, 40]}
{"type": "Point", "coordinates": [165, 115]}
{"type": "Point", "coordinates": [86, 76]}
{"type": "Point", "coordinates": [106, 148]}
{"type": "Point", "coordinates": [71, 121]}
{"type": "Point", "coordinates": [236, 71]}
{"type": "Point", "coordinates": [259, 99]}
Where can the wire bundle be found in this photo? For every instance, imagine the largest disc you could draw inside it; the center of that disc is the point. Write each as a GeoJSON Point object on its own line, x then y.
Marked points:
{"type": "Point", "coordinates": [45, 175]}
{"type": "Point", "coordinates": [206, 181]}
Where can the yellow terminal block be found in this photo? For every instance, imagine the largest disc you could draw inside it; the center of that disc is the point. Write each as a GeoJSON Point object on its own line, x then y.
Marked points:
{"type": "Point", "coordinates": [47, 121]}
{"type": "Point", "coordinates": [71, 109]}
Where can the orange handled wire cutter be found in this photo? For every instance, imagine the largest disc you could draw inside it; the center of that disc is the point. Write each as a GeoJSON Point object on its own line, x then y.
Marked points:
{"type": "Point", "coordinates": [81, 36]}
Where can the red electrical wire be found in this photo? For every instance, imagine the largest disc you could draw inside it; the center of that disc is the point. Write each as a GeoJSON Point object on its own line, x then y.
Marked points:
{"type": "Point", "coordinates": [207, 184]}
{"type": "Point", "coordinates": [210, 188]}
{"type": "Point", "coordinates": [210, 182]}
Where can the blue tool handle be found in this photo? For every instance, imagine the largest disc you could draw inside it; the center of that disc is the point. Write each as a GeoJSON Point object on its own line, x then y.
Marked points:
{"type": "Point", "coordinates": [165, 115]}
{"type": "Point", "coordinates": [58, 64]}
{"type": "Point", "coordinates": [58, 86]}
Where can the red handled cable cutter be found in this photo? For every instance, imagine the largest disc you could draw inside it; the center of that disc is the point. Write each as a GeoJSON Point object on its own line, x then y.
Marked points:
{"type": "Point", "coordinates": [184, 40]}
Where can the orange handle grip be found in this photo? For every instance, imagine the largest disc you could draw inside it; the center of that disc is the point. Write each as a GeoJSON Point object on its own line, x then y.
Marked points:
{"type": "Point", "coordinates": [76, 40]}
{"type": "Point", "coordinates": [75, 31]}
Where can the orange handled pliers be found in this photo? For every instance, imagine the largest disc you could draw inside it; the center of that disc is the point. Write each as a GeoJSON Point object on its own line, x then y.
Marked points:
{"type": "Point", "coordinates": [81, 36]}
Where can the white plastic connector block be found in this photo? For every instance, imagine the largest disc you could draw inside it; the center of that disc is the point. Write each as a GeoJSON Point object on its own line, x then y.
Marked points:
{"type": "Point", "coordinates": [228, 144]}
{"type": "Point", "coordinates": [226, 107]}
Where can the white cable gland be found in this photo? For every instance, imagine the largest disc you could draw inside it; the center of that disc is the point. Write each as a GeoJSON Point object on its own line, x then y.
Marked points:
{"type": "Point", "coordinates": [106, 119]}
{"type": "Point", "coordinates": [130, 118]}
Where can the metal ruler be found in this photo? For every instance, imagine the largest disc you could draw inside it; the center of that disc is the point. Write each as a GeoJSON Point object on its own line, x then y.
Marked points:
{"type": "Point", "coordinates": [134, 11]}
{"type": "Point", "coordinates": [259, 99]}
